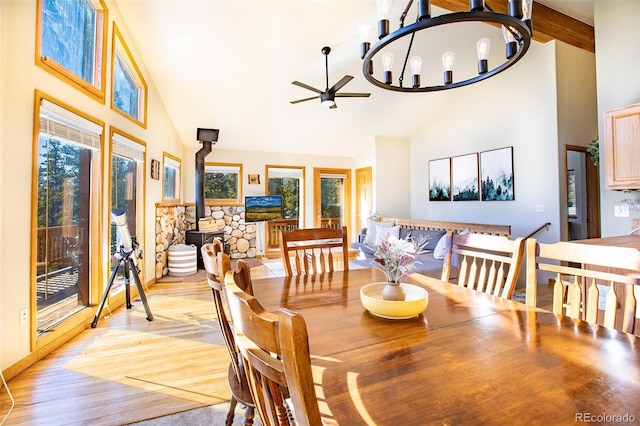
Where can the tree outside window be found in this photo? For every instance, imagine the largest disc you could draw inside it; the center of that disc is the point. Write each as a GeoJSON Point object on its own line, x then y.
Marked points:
{"type": "Point", "coordinates": [72, 38]}
{"type": "Point", "coordinates": [223, 183]}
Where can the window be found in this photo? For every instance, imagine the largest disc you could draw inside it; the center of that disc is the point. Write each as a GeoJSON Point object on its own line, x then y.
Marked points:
{"type": "Point", "coordinates": [67, 167]}
{"type": "Point", "coordinates": [223, 183]}
{"type": "Point", "coordinates": [127, 181]}
{"type": "Point", "coordinates": [171, 178]}
{"type": "Point", "coordinates": [129, 90]}
{"type": "Point", "coordinates": [288, 182]}
{"type": "Point", "coordinates": [71, 42]}
{"type": "Point", "coordinates": [332, 197]}
{"type": "Point", "coordinates": [572, 210]}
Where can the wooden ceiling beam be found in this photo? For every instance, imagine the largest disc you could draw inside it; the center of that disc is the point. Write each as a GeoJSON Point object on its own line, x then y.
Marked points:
{"type": "Point", "coordinates": [548, 24]}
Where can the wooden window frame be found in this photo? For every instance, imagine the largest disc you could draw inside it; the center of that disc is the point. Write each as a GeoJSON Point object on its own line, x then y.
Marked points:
{"type": "Point", "coordinates": [226, 201]}
{"type": "Point", "coordinates": [121, 50]}
{"type": "Point", "coordinates": [178, 187]}
{"type": "Point", "coordinates": [97, 89]}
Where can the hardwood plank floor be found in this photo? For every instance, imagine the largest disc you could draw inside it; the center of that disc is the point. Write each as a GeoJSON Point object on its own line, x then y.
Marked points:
{"type": "Point", "coordinates": [129, 369]}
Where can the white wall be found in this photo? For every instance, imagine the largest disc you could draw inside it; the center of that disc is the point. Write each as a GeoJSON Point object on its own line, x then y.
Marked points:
{"type": "Point", "coordinates": [391, 177]}
{"type": "Point", "coordinates": [617, 31]}
{"type": "Point", "coordinates": [254, 162]}
{"type": "Point", "coordinates": [20, 78]}
{"type": "Point", "coordinates": [577, 110]}
{"type": "Point", "coordinates": [516, 108]}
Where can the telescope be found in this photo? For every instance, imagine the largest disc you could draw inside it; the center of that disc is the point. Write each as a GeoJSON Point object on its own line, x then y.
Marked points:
{"type": "Point", "coordinates": [127, 255]}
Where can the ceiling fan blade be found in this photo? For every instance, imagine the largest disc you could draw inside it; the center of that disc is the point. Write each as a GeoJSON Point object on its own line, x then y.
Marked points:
{"type": "Point", "coordinates": [313, 89]}
{"type": "Point", "coordinates": [344, 80]}
{"type": "Point", "coordinates": [352, 95]}
{"type": "Point", "coordinates": [305, 99]}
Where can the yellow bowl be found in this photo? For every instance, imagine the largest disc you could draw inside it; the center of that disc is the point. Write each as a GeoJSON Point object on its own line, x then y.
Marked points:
{"type": "Point", "coordinates": [416, 300]}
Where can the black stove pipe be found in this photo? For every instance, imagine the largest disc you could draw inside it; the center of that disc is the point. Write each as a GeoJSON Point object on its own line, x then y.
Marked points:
{"type": "Point", "coordinates": [200, 156]}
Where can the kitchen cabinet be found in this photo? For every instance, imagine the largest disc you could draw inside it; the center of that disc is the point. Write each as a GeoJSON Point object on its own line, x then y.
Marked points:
{"type": "Point", "coordinates": [622, 148]}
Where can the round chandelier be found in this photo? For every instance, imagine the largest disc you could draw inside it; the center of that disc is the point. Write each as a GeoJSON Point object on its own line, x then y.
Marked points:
{"type": "Point", "coordinates": [435, 47]}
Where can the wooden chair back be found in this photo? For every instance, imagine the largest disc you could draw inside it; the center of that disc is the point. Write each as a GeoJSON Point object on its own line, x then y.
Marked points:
{"type": "Point", "coordinates": [275, 351]}
{"type": "Point", "coordinates": [486, 263]}
{"type": "Point", "coordinates": [216, 268]}
{"type": "Point", "coordinates": [579, 272]}
{"type": "Point", "coordinates": [311, 250]}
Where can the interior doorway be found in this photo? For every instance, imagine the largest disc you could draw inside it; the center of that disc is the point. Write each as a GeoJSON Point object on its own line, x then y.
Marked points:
{"type": "Point", "coordinates": [582, 212]}
{"type": "Point", "coordinates": [364, 197]}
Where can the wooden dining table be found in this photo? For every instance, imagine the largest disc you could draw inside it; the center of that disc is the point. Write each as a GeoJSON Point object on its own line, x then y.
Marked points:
{"type": "Point", "coordinates": [468, 359]}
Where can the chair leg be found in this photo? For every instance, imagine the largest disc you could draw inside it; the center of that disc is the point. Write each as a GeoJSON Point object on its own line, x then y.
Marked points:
{"type": "Point", "coordinates": [232, 410]}
{"type": "Point", "coordinates": [248, 416]}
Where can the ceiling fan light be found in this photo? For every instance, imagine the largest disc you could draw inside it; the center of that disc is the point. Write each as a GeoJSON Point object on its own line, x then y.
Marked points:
{"type": "Point", "coordinates": [327, 100]}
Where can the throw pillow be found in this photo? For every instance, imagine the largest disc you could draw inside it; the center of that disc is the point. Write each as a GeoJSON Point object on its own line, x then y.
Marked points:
{"type": "Point", "coordinates": [440, 251]}
{"type": "Point", "coordinates": [385, 231]}
{"type": "Point", "coordinates": [432, 236]}
{"type": "Point", "coordinates": [370, 238]}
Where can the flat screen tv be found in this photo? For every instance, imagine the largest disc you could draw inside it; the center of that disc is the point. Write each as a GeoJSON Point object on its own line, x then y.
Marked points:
{"type": "Point", "coordinates": [260, 208]}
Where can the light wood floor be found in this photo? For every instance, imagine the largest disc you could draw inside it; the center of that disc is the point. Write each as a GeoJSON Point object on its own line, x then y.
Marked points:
{"type": "Point", "coordinates": [129, 369]}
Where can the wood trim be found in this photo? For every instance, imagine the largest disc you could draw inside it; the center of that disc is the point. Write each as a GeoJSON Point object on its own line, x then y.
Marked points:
{"type": "Point", "coordinates": [548, 24]}
{"type": "Point", "coordinates": [57, 70]}
{"type": "Point", "coordinates": [118, 41]}
{"type": "Point", "coordinates": [480, 228]}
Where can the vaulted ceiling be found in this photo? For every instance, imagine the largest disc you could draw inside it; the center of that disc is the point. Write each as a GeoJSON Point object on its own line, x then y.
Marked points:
{"type": "Point", "coordinates": [230, 64]}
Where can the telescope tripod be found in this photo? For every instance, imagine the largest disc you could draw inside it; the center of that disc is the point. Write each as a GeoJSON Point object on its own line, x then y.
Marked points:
{"type": "Point", "coordinates": [124, 258]}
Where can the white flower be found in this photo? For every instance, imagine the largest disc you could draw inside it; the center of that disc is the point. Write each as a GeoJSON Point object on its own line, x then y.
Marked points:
{"type": "Point", "coordinates": [396, 256]}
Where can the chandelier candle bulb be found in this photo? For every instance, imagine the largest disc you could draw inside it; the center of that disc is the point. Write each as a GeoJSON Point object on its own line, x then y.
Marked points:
{"type": "Point", "coordinates": [384, 11]}
{"type": "Point", "coordinates": [363, 32]}
{"type": "Point", "coordinates": [416, 66]}
{"type": "Point", "coordinates": [483, 45]}
{"type": "Point", "coordinates": [447, 63]}
{"type": "Point", "coordinates": [510, 40]}
{"type": "Point", "coordinates": [387, 66]}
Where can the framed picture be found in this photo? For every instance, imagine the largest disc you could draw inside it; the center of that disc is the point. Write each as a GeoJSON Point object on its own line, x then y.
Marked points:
{"type": "Point", "coordinates": [440, 180]}
{"type": "Point", "coordinates": [464, 177]}
{"type": "Point", "coordinates": [254, 179]}
{"type": "Point", "coordinates": [497, 174]}
{"type": "Point", "coordinates": [155, 169]}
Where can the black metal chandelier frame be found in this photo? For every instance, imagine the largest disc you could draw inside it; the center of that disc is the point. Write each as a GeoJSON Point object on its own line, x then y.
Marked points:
{"type": "Point", "coordinates": [520, 29]}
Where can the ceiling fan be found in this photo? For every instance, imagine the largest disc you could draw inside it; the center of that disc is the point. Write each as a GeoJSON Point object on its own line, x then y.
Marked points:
{"type": "Point", "coordinates": [327, 97]}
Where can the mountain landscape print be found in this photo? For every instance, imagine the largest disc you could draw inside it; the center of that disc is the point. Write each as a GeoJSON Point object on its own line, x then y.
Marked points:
{"type": "Point", "coordinates": [440, 180]}
{"type": "Point", "coordinates": [465, 177]}
{"type": "Point", "coordinates": [497, 174]}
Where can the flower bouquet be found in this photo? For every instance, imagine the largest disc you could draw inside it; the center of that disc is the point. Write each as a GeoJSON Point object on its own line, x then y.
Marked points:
{"type": "Point", "coordinates": [396, 258]}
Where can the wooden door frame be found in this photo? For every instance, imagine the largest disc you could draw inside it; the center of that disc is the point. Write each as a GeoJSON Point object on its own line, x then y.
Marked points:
{"type": "Point", "coordinates": [592, 182]}
{"type": "Point", "coordinates": [317, 171]}
{"type": "Point", "coordinates": [363, 173]}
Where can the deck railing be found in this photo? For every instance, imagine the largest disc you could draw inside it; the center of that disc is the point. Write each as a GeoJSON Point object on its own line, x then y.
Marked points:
{"type": "Point", "coordinates": [55, 245]}
{"type": "Point", "coordinates": [274, 227]}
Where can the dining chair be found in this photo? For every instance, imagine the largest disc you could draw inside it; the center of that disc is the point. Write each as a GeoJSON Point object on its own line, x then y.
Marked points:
{"type": "Point", "coordinates": [275, 351]}
{"type": "Point", "coordinates": [579, 273]}
{"type": "Point", "coordinates": [216, 264]}
{"type": "Point", "coordinates": [486, 263]}
{"type": "Point", "coordinates": [311, 250]}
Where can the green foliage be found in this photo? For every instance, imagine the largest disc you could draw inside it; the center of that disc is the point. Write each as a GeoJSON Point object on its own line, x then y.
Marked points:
{"type": "Point", "coordinates": [331, 205]}
{"type": "Point", "coordinates": [58, 181]}
{"type": "Point", "coordinates": [594, 151]}
{"type": "Point", "coordinates": [221, 186]}
{"type": "Point", "coordinates": [289, 188]}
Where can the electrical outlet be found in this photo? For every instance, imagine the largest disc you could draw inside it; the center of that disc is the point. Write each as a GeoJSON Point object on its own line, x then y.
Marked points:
{"type": "Point", "coordinates": [603, 290]}
{"type": "Point", "coordinates": [24, 316]}
{"type": "Point", "coordinates": [539, 208]}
